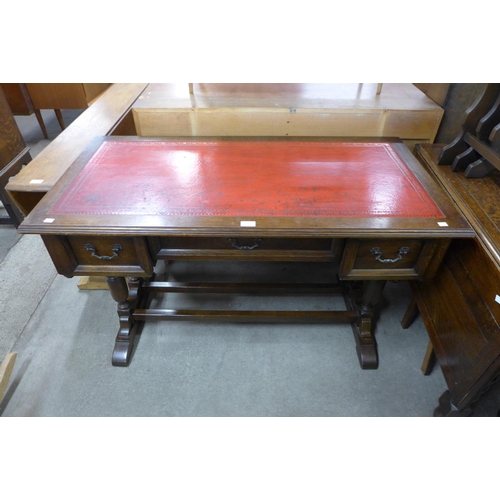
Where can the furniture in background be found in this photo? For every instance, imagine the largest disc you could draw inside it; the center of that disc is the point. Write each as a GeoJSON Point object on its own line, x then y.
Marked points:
{"type": "Point", "coordinates": [109, 114]}
{"type": "Point", "coordinates": [28, 98]}
{"type": "Point", "coordinates": [314, 110]}
{"type": "Point", "coordinates": [379, 88]}
{"type": "Point", "coordinates": [13, 155]}
{"type": "Point", "coordinates": [20, 103]}
{"type": "Point", "coordinates": [460, 306]}
{"type": "Point", "coordinates": [476, 150]}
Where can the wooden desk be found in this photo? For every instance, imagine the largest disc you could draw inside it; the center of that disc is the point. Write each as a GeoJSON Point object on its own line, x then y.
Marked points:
{"type": "Point", "coordinates": [367, 207]}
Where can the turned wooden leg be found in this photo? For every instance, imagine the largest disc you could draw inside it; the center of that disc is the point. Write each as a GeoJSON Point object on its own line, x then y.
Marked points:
{"type": "Point", "coordinates": [135, 293]}
{"type": "Point", "coordinates": [124, 342]}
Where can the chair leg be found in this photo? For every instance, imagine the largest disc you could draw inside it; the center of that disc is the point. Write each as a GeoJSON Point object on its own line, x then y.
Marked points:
{"type": "Point", "coordinates": [38, 115]}
{"type": "Point", "coordinates": [429, 360]}
{"type": "Point", "coordinates": [410, 314]}
{"type": "Point", "coordinates": [60, 118]}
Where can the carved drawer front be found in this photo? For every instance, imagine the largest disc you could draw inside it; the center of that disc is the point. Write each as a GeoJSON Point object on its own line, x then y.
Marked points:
{"type": "Point", "coordinates": [100, 255]}
{"type": "Point", "coordinates": [401, 258]}
{"type": "Point", "coordinates": [245, 248]}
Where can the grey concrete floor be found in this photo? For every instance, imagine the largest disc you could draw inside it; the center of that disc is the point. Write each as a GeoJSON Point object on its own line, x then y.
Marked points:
{"type": "Point", "coordinates": [64, 338]}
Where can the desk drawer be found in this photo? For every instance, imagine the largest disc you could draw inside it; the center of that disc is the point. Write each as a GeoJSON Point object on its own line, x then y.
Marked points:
{"type": "Point", "coordinates": [238, 248]}
{"type": "Point", "coordinates": [399, 258]}
{"type": "Point", "coordinates": [99, 255]}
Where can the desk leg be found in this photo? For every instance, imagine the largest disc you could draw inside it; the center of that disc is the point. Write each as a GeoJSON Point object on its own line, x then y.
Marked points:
{"type": "Point", "coordinates": [366, 345]}
{"type": "Point", "coordinates": [124, 342]}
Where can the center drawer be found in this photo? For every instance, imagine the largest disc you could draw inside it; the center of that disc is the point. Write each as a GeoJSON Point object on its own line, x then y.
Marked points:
{"type": "Point", "coordinates": [245, 248]}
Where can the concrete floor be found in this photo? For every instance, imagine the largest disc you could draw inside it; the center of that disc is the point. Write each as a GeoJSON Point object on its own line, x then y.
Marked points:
{"type": "Point", "coordinates": [64, 338]}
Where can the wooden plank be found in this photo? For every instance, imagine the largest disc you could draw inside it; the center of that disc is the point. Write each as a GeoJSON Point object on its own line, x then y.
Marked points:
{"type": "Point", "coordinates": [341, 110]}
{"type": "Point", "coordinates": [233, 315]}
{"type": "Point", "coordinates": [54, 160]}
{"type": "Point", "coordinates": [6, 371]}
{"type": "Point", "coordinates": [354, 96]}
{"type": "Point", "coordinates": [92, 283]}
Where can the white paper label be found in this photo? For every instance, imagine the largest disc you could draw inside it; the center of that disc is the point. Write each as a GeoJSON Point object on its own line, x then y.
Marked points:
{"type": "Point", "coordinates": [497, 298]}
{"type": "Point", "coordinates": [442, 224]}
{"type": "Point", "coordinates": [48, 221]}
{"type": "Point", "coordinates": [36, 181]}
{"type": "Point", "coordinates": [248, 223]}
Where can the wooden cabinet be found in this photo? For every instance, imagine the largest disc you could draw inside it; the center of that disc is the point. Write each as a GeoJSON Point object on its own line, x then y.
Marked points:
{"type": "Point", "coordinates": [64, 95]}
{"type": "Point", "coordinates": [460, 305]}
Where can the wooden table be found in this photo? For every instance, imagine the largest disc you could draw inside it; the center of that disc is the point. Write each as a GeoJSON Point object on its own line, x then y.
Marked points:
{"type": "Point", "coordinates": [367, 207]}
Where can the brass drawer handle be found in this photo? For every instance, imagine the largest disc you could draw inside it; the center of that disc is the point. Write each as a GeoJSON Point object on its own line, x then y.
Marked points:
{"type": "Point", "coordinates": [376, 251]}
{"type": "Point", "coordinates": [117, 248]}
{"type": "Point", "coordinates": [234, 241]}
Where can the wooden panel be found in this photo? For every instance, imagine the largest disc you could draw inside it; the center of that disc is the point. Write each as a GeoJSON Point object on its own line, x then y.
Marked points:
{"type": "Point", "coordinates": [57, 95]}
{"type": "Point", "coordinates": [282, 122]}
{"type": "Point", "coordinates": [460, 304]}
{"type": "Point", "coordinates": [18, 98]}
{"type": "Point", "coordinates": [94, 90]}
{"type": "Point", "coordinates": [436, 91]}
{"type": "Point", "coordinates": [414, 125]}
{"type": "Point", "coordinates": [11, 141]}
{"type": "Point", "coordinates": [287, 109]}
{"type": "Point", "coordinates": [237, 248]}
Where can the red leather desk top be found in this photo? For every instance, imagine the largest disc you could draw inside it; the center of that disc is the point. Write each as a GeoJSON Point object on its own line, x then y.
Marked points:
{"type": "Point", "coordinates": [246, 179]}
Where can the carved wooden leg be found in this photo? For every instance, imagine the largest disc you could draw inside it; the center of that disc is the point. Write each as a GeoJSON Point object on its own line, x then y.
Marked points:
{"type": "Point", "coordinates": [124, 342]}
{"type": "Point", "coordinates": [366, 346]}
{"type": "Point", "coordinates": [446, 407]}
{"type": "Point", "coordinates": [135, 292]}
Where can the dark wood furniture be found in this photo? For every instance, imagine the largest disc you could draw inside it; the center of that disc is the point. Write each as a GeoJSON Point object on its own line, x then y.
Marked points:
{"type": "Point", "coordinates": [13, 155]}
{"type": "Point", "coordinates": [460, 306]}
{"type": "Point", "coordinates": [367, 207]}
{"type": "Point", "coordinates": [476, 149]}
